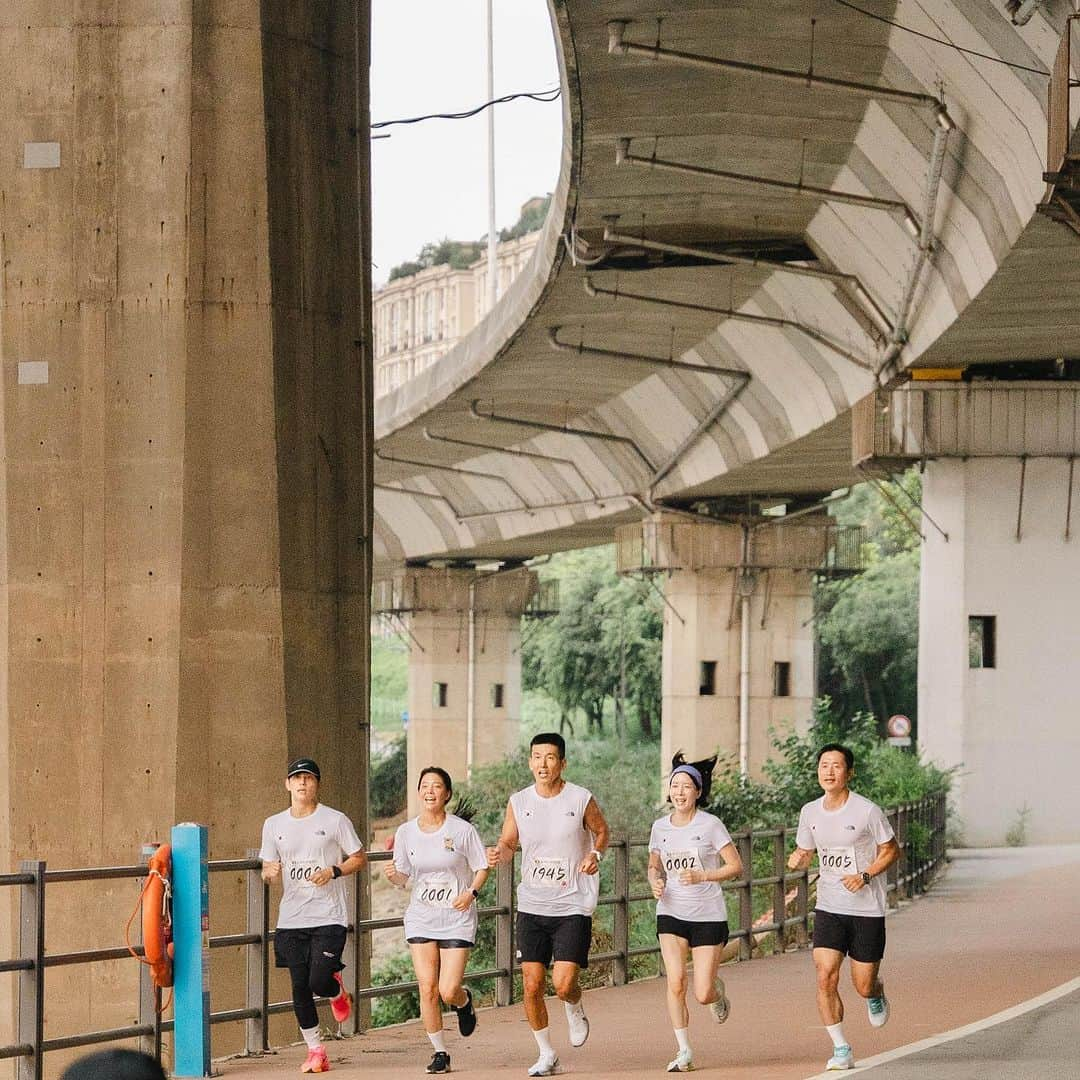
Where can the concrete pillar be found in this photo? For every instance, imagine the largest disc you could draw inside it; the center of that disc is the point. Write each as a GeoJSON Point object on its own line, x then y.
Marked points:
{"type": "Point", "coordinates": [1010, 729]}
{"type": "Point", "coordinates": [185, 436]}
{"type": "Point", "coordinates": [702, 626]}
{"type": "Point", "coordinates": [460, 663]}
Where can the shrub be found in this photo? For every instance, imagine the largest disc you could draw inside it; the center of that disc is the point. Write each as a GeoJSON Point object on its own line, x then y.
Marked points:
{"type": "Point", "coordinates": [388, 781]}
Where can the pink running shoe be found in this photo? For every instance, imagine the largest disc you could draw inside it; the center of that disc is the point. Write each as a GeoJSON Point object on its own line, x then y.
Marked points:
{"type": "Point", "coordinates": [316, 1061]}
{"type": "Point", "coordinates": [341, 1005]}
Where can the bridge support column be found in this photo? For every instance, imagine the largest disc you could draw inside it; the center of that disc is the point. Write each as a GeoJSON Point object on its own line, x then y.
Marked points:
{"type": "Point", "coordinates": [999, 590]}
{"type": "Point", "coordinates": [185, 506]}
{"type": "Point", "coordinates": [738, 652]}
{"type": "Point", "coordinates": [998, 634]}
{"type": "Point", "coordinates": [464, 667]}
{"type": "Point", "coordinates": [702, 660]}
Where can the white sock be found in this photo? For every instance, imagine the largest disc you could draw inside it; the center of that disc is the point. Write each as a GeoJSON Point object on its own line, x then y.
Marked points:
{"type": "Point", "coordinates": [437, 1041]}
{"type": "Point", "coordinates": [682, 1037]}
{"type": "Point", "coordinates": [836, 1033]}
{"type": "Point", "coordinates": [544, 1042]}
{"type": "Point", "coordinates": [311, 1037]}
{"type": "Point", "coordinates": [574, 1009]}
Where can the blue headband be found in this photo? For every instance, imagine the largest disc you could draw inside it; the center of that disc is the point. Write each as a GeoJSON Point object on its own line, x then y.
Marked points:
{"type": "Point", "coordinates": [691, 772]}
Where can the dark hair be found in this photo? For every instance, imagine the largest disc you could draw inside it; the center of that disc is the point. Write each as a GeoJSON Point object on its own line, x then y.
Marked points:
{"type": "Point", "coordinates": [836, 747]}
{"type": "Point", "coordinates": [114, 1065]}
{"type": "Point", "coordinates": [550, 738]}
{"type": "Point", "coordinates": [441, 773]}
{"type": "Point", "coordinates": [705, 767]}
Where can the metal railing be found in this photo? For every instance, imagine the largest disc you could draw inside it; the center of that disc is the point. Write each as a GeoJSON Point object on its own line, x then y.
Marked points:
{"type": "Point", "coordinates": [782, 895]}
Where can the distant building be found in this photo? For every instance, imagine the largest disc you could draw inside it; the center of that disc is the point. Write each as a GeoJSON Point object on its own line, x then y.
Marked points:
{"type": "Point", "coordinates": [418, 319]}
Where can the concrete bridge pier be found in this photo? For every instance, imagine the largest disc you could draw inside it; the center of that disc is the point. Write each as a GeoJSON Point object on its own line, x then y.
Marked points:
{"type": "Point", "coordinates": [464, 666]}
{"type": "Point", "coordinates": [999, 594]}
{"type": "Point", "coordinates": [738, 652]}
{"type": "Point", "coordinates": [704, 630]}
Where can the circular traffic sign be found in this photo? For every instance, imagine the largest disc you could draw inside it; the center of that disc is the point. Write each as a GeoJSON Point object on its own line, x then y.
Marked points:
{"type": "Point", "coordinates": [898, 726]}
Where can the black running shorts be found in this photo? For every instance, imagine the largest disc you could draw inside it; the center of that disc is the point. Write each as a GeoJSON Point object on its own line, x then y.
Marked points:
{"type": "Point", "coordinates": [542, 939]}
{"type": "Point", "coordinates": [443, 943]}
{"type": "Point", "coordinates": [696, 933]}
{"type": "Point", "coordinates": [315, 947]}
{"type": "Point", "coordinates": [862, 937]}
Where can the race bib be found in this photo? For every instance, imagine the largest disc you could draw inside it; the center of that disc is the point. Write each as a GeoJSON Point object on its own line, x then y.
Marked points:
{"type": "Point", "coordinates": [837, 862]}
{"type": "Point", "coordinates": [677, 861]}
{"type": "Point", "coordinates": [299, 873]}
{"type": "Point", "coordinates": [550, 872]}
{"type": "Point", "coordinates": [436, 890]}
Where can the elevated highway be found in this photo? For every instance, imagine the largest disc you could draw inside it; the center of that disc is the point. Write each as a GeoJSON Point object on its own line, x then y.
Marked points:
{"type": "Point", "coordinates": [766, 214]}
{"type": "Point", "coordinates": [869, 225]}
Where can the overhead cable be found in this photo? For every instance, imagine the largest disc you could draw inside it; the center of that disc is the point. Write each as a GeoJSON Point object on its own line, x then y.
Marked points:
{"type": "Point", "coordinates": [532, 95]}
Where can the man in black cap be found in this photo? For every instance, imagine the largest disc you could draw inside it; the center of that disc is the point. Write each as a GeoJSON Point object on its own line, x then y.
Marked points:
{"type": "Point", "coordinates": [309, 848]}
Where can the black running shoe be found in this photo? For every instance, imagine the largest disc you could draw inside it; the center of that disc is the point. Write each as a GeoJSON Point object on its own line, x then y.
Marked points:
{"type": "Point", "coordinates": [440, 1063]}
{"type": "Point", "coordinates": [466, 1015]}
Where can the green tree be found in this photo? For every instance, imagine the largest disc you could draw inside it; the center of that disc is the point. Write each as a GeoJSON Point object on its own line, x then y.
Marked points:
{"type": "Point", "coordinates": [868, 626]}
{"type": "Point", "coordinates": [604, 643]}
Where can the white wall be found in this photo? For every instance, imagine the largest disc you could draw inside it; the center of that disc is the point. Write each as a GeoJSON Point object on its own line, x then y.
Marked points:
{"type": "Point", "coordinates": [1014, 729]}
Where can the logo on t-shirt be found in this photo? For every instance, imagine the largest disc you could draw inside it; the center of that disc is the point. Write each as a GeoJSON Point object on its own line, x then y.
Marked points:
{"type": "Point", "coordinates": [569, 813]}
{"type": "Point", "coordinates": [850, 828]}
{"type": "Point", "coordinates": [319, 832]}
{"type": "Point", "coordinates": [448, 843]}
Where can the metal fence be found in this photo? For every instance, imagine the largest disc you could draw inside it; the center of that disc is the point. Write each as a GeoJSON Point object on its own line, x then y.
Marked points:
{"type": "Point", "coordinates": [784, 921]}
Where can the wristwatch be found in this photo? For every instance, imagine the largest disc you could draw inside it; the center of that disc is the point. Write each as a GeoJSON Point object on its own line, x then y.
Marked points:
{"type": "Point", "coordinates": [475, 894]}
{"type": "Point", "coordinates": [599, 854]}
{"type": "Point", "coordinates": [865, 878]}
{"type": "Point", "coordinates": [337, 871]}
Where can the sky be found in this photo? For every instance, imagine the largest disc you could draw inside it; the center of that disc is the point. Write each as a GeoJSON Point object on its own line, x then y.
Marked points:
{"type": "Point", "coordinates": [429, 180]}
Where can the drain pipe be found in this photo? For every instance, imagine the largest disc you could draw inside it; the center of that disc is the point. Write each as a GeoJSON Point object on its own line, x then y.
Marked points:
{"type": "Point", "coordinates": [898, 338]}
{"type": "Point", "coordinates": [619, 46]}
{"type": "Point", "coordinates": [623, 156]}
{"type": "Point", "coordinates": [746, 590]}
{"type": "Point", "coordinates": [850, 283]}
{"type": "Point", "coordinates": [470, 687]}
{"type": "Point", "coordinates": [736, 316]}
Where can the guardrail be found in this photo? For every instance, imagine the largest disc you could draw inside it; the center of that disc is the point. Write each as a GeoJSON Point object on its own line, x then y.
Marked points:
{"type": "Point", "coordinates": [782, 894]}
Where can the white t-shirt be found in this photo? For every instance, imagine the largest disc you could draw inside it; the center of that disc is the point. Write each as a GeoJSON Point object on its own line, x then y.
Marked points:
{"type": "Point", "coordinates": [442, 865]}
{"type": "Point", "coordinates": [304, 845]}
{"type": "Point", "coordinates": [554, 841]}
{"type": "Point", "coordinates": [846, 841]}
{"type": "Point", "coordinates": [694, 846]}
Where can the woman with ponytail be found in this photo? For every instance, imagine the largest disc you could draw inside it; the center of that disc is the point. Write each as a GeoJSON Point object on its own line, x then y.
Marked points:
{"type": "Point", "coordinates": [690, 854]}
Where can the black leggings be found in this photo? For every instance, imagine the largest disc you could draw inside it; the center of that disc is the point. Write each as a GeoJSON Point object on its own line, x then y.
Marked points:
{"type": "Point", "coordinates": [313, 957]}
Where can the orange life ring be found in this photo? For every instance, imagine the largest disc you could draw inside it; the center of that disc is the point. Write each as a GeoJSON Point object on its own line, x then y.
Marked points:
{"type": "Point", "coordinates": [157, 917]}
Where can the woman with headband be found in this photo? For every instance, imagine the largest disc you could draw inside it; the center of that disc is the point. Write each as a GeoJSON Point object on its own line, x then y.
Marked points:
{"type": "Point", "coordinates": [690, 854]}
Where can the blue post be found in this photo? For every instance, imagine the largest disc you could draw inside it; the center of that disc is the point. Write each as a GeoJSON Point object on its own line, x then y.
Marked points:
{"type": "Point", "coordinates": [191, 939]}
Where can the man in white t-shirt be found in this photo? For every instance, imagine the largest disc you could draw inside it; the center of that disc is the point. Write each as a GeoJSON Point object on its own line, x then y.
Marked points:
{"type": "Point", "coordinates": [309, 848]}
{"type": "Point", "coordinates": [562, 835]}
{"type": "Point", "coordinates": [855, 846]}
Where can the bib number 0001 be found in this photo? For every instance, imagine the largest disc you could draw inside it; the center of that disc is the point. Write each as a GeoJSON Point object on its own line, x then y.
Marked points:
{"type": "Point", "coordinates": [437, 893]}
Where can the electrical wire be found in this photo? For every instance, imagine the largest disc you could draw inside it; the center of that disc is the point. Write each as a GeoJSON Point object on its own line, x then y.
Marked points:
{"type": "Point", "coordinates": [535, 95]}
{"type": "Point", "coordinates": [942, 41]}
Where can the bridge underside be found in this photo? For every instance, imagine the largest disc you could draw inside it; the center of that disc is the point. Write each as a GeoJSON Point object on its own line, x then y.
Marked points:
{"type": "Point", "coordinates": [765, 213]}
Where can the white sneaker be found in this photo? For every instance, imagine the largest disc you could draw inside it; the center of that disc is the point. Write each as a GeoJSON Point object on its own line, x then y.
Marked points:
{"type": "Point", "coordinates": [877, 1008]}
{"type": "Point", "coordinates": [578, 1024]}
{"type": "Point", "coordinates": [684, 1062]}
{"type": "Point", "coordinates": [721, 1007]}
{"type": "Point", "coordinates": [546, 1065]}
{"type": "Point", "coordinates": [842, 1059]}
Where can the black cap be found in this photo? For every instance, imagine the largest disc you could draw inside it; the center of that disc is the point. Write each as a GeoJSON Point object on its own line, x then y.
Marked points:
{"type": "Point", "coordinates": [304, 764]}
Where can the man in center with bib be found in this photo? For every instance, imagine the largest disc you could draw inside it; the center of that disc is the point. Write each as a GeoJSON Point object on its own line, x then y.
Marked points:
{"type": "Point", "coordinates": [562, 835]}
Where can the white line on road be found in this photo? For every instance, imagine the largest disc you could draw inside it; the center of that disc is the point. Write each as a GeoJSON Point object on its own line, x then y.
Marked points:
{"type": "Point", "coordinates": [968, 1029]}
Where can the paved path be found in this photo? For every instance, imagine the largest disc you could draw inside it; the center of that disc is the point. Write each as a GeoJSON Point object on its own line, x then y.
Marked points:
{"type": "Point", "coordinates": [999, 929]}
{"type": "Point", "coordinates": [1042, 1043]}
